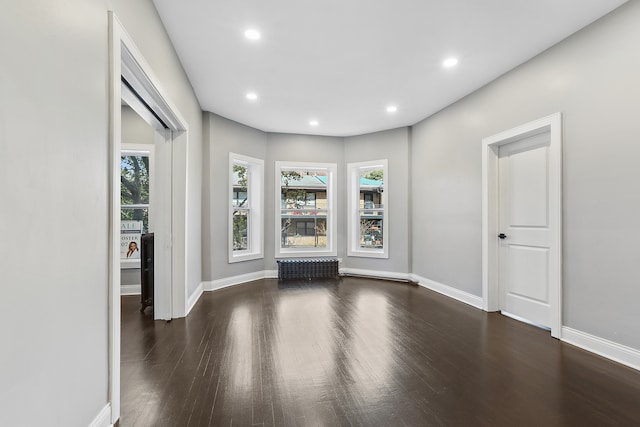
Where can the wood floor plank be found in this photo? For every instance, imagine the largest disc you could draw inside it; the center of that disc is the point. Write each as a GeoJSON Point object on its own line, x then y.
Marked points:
{"type": "Point", "coordinates": [359, 352]}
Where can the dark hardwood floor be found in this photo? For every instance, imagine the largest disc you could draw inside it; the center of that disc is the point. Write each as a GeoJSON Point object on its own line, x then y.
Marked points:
{"type": "Point", "coordinates": [359, 352]}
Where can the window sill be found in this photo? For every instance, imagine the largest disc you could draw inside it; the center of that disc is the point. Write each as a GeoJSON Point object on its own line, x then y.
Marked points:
{"type": "Point", "coordinates": [126, 264]}
{"type": "Point", "coordinates": [305, 253]}
{"type": "Point", "coordinates": [245, 256]}
{"type": "Point", "coordinates": [372, 253]}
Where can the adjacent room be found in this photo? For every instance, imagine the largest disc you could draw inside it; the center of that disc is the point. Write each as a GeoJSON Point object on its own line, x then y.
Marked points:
{"type": "Point", "coordinates": [346, 213]}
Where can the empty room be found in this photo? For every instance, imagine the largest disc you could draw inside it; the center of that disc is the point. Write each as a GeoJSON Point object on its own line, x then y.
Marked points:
{"type": "Point", "coordinates": [409, 213]}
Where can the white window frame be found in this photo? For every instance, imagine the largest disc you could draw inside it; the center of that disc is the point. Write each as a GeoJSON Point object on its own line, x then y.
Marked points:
{"type": "Point", "coordinates": [353, 221]}
{"type": "Point", "coordinates": [140, 150]}
{"type": "Point", "coordinates": [331, 171]}
{"type": "Point", "coordinates": [255, 195]}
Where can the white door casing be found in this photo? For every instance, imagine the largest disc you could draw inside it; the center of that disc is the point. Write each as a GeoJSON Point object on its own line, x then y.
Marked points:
{"type": "Point", "coordinates": [127, 61]}
{"type": "Point", "coordinates": [531, 250]}
{"type": "Point", "coordinates": [162, 266]}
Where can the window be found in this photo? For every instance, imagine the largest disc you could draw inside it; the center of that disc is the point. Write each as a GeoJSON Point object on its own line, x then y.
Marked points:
{"type": "Point", "coordinates": [311, 200]}
{"type": "Point", "coordinates": [136, 164]}
{"type": "Point", "coordinates": [306, 228]}
{"type": "Point", "coordinates": [246, 234]}
{"type": "Point", "coordinates": [305, 201]}
{"type": "Point", "coordinates": [240, 197]}
{"type": "Point", "coordinates": [367, 228]}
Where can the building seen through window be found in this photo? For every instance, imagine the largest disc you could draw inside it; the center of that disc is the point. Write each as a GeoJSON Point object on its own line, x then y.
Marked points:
{"type": "Point", "coordinates": [371, 208]}
{"type": "Point", "coordinates": [241, 207]}
{"type": "Point", "coordinates": [367, 227]}
{"type": "Point", "coordinates": [304, 208]}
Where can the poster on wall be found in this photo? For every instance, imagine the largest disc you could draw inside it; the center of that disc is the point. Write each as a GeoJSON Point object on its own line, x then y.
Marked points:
{"type": "Point", "coordinates": [130, 235]}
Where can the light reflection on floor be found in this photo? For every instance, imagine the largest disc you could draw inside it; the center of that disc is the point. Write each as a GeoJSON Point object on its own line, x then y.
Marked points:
{"type": "Point", "coordinates": [356, 352]}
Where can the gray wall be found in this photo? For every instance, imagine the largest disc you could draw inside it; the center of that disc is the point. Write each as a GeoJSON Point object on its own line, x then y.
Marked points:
{"type": "Point", "coordinates": [130, 281]}
{"type": "Point", "coordinates": [54, 212]}
{"type": "Point", "coordinates": [592, 78]}
{"type": "Point", "coordinates": [54, 151]}
{"type": "Point", "coordinates": [301, 148]}
{"type": "Point", "coordinates": [134, 129]}
{"type": "Point", "coordinates": [394, 146]}
{"type": "Point", "coordinates": [222, 136]}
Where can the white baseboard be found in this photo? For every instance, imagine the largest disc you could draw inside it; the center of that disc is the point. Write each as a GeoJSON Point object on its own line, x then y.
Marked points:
{"type": "Point", "coordinates": [194, 297]}
{"type": "Point", "coordinates": [103, 419]}
{"type": "Point", "coordinates": [130, 289]}
{"type": "Point", "coordinates": [617, 352]}
{"type": "Point", "coordinates": [271, 274]}
{"type": "Point", "coordinates": [446, 290]}
{"type": "Point", "coordinates": [233, 280]}
{"type": "Point", "coordinates": [375, 274]}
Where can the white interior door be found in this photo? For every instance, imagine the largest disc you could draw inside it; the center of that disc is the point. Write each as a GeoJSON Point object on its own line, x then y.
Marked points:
{"type": "Point", "coordinates": [527, 268]}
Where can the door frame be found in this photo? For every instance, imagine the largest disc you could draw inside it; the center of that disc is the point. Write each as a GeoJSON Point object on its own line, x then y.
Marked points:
{"type": "Point", "coordinates": [491, 211]}
{"type": "Point", "coordinates": [125, 59]}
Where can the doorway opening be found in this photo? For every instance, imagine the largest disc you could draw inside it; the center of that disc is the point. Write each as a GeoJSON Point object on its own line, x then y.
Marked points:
{"type": "Point", "coordinates": [137, 202]}
{"type": "Point", "coordinates": [522, 223]}
{"type": "Point", "coordinates": [133, 83]}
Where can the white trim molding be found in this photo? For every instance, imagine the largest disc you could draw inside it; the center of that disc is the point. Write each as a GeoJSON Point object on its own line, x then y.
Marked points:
{"type": "Point", "coordinates": [490, 213]}
{"type": "Point", "coordinates": [126, 60]}
{"type": "Point", "coordinates": [194, 297]}
{"type": "Point", "coordinates": [130, 289]}
{"type": "Point", "coordinates": [331, 171]}
{"type": "Point", "coordinates": [233, 280]}
{"type": "Point", "coordinates": [375, 274]}
{"type": "Point", "coordinates": [255, 209]}
{"type": "Point", "coordinates": [451, 292]}
{"type": "Point", "coordinates": [129, 264]}
{"type": "Point", "coordinates": [103, 419]}
{"type": "Point", "coordinates": [271, 274]}
{"type": "Point", "coordinates": [617, 352]}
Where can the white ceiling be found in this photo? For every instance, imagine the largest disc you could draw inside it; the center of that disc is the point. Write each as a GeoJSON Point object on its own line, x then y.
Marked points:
{"type": "Point", "coordinates": [342, 62]}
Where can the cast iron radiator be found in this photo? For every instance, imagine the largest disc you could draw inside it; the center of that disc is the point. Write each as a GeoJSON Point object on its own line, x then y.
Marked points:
{"type": "Point", "coordinates": [307, 268]}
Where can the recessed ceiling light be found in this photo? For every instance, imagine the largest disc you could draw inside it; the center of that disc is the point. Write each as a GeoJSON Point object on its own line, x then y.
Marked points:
{"type": "Point", "coordinates": [313, 123]}
{"type": "Point", "coordinates": [252, 34]}
{"type": "Point", "coordinates": [450, 62]}
{"type": "Point", "coordinates": [252, 96]}
{"type": "Point", "coordinates": [392, 109]}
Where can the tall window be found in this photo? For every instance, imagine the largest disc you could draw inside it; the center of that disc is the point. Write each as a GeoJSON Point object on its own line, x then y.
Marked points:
{"type": "Point", "coordinates": [246, 235]}
{"type": "Point", "coordinates": [134, 187]}
{"type": "Point", "coordinates": [305, 224]}
{"type": "Point", "coordinates": [136, 165]}
{"type": "Point", "coordinates": [367, 225]}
